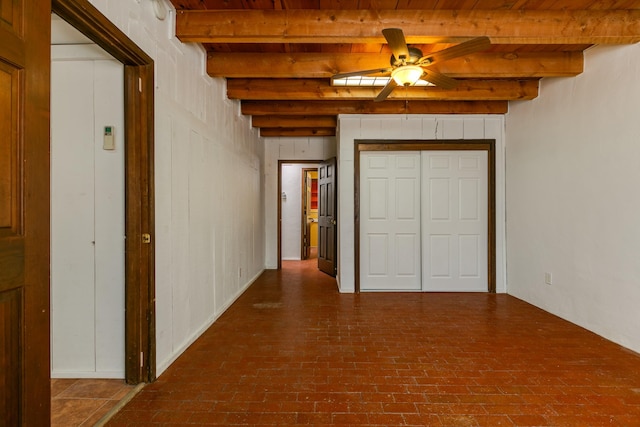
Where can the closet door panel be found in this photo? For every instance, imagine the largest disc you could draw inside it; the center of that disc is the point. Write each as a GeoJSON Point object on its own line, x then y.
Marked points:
{"type": "Point", "coordinates": [455, 225]}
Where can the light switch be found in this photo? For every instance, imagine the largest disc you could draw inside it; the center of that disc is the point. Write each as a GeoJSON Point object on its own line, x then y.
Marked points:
{"type": "Point", "coordinates": [109, 143]}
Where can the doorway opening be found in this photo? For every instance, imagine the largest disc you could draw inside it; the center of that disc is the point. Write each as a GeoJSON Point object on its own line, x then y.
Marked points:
{"type": "Point", "coordinates": [321, 216]}
{"type": "Point", "coordinates": [137, 134]}
{"type": "Point", "coordinates": [297, 210]}
{"type": "Point", "coordinates": [87, 208]}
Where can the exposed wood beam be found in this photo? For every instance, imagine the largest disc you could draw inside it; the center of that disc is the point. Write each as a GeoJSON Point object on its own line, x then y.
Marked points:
{"type": "Point", "coordinates": [365, 26]}
{"type": "Point", "coordinates": [294, 121]}
{"type": "Point", "coordinates": [315, 89]}
{"type": "Point", "coordinates": [298, 131]}
{"type": "Point", "coordinates": [258, 108]}
{"type": "Point", "coordinates": [323, 65]}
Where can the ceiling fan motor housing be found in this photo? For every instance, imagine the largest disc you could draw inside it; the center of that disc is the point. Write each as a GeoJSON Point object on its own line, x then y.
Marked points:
{"type": "Point", "coordinates": [414, 55]}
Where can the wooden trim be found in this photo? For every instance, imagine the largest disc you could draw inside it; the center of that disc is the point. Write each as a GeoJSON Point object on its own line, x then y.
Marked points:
{"type": "Point", "coordinates": [323, 65]}
{"type": "Point", "coordinates": [432, 145]}
{"type": "Point", "coordinates": [32, 232]}
{"type": "Point", "coordinates": [330, 108]}
{"type": "Point", "coordinates": [321, 89]}
{"type": "Point", "coordinates": [279, 204]}
{"type": "Point", "coordinates": [83, 16]}
{"type": "Point", "coordinates": [139, 184]}
{"type": "Point", "coordinates": [503, 26]}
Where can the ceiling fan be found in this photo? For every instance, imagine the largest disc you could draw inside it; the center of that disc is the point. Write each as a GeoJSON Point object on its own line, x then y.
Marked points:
{"type": "Point", "coordinates": [408, 65]}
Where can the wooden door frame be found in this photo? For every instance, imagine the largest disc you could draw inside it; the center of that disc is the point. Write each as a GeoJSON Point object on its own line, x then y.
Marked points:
{"type": "Point", "coordinates": [279, 195]}
{"type": "Point", "coordinates": [432, 145]}
{"type": "Point", "coordinates": [140, 363]}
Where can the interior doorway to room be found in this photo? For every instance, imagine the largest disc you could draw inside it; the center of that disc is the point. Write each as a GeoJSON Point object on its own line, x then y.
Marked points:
{"type": "Point", "coordinates": [299, 218]}
{"type": "Point", "coordinates": [87, 208]}
{"type": "Point", "coordinates": [298, 214]}
{"type": "Point", "coordinates": [137, 141]}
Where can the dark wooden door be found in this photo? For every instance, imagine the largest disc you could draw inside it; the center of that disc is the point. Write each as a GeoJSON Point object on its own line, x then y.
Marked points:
{"type": "Point", "coordinates": [327, 217]}
{"type": "Point", "coordinates": [25, 33]}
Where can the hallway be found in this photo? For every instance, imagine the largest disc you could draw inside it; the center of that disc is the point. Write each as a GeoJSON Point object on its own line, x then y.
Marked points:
{"type": "Point", "coordinates": [293, 351]}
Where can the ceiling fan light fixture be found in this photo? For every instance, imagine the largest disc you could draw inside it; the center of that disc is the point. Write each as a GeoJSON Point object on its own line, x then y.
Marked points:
{"type": "Point", "coordinates": [407, 75]}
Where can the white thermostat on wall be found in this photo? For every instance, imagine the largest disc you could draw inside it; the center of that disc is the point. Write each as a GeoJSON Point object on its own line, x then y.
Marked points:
{"type": "Point", "coordinates": [109, 143]}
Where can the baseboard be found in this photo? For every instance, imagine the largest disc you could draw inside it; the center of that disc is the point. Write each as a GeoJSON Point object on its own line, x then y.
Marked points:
{"type": "Point", "coordinates": [87, 375]}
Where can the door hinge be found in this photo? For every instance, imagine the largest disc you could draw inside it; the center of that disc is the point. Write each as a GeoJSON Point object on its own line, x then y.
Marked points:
{"type": "Point", "coordinates": [141, 359]}
{"type": "Point", "coordinates": [140, 84]}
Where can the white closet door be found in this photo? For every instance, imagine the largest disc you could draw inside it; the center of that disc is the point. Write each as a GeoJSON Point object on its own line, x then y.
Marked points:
{"type": "Point", "coordinates": [390, 221]}
{"type": "Point", "coordinates": [87, 215]}
{"type": "Point", "coordinates": [72, 218]}
{"type": "Point", "coordinates": [454, 221]}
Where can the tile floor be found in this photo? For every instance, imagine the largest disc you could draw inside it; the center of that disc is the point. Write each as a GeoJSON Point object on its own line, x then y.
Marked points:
{"type": "Point", "coordinates": [83, 402]}
{"type": "Point", "coordinates": [293, 351]}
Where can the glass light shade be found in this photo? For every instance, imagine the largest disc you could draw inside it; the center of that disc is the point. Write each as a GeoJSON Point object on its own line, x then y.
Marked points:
{"type": "Point", "coordinates": [407, 75]}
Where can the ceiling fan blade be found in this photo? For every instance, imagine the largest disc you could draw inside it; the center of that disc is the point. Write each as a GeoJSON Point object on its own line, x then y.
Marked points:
{"type": "Point", "coordinates": [397, 43]}
{"type": "Point", "coordinates": [362, 73]}
{"type": "Point", "coordinates": [386, 90]}
{"type": "Point", "coordinates": [471, 46]}
{"type": "Point", "coordinates": [438, 79]}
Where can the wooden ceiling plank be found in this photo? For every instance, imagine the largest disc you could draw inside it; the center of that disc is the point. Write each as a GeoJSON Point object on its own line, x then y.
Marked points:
{"type": "Point", "coordinates": [287, 132]}
{"type": "Point", "coordinates": [325, 65]}
{"type": "Point", "coordinates": [420, 26]}
{"type": "Point", "coordinates": [294, 121]}
{"type": "Point", "coordinates": [317, 89]}
{"type": "Point", "coordinates": [257, 108]}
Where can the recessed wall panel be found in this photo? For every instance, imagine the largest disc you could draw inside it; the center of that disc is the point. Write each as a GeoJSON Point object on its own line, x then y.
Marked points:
{"type": "Point", "coordinates": [439, 256]}
{"type": "Point", "coordinates": [10, 181]}
{"type": "Point", "coordinates": [11, 12]}
{"type": "Point", "coordinates": [469, 198]}
{"type": "Point", "coordinates": [469, 255]}
{"type": "Point", "coordinates": [439, 162]}
{"type": "Point", "coordinates": [469, 163]}
{"type": "Point", "coordinates": [377, 162]}
{"type": "Point", "coordinates": [378, 256]}
{"type": "Point", "coordinates": [378, 198]}
{"type": "Point", "coordinates": [11, 318]}
{"type": "Point", "coordinates": [406, 200]}
{"type": "Point", "coordinates": [439, 201]}
{"type": "Point", "coordinates": [406, 254]}
{"type": "Point", "coordinates": [406, 162]}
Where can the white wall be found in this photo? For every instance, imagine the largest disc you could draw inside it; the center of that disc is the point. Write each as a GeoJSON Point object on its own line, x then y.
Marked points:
{"type": "Point", "coordinates": [208, 181]}
{"type": "Point", "coordinates": [291, 185]}
{"type": "Point", "coordinates": [289, 149]}
{"type": "Point", "coordinates": [573, 168]}
{"type": "Point", "coordinates": [399, 127]}
{"type": "Point", "coordinates": [87, 215]}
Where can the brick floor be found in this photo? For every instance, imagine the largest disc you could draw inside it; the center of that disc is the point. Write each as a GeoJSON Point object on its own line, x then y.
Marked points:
{"type": "Point", "coordinates": [293, 351]}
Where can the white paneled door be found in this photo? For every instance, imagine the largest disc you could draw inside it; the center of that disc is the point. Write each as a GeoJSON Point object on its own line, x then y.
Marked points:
{"type": "Point", "coordinates": [424, 221]}
{"type": "Point", "coordinates": [454, 221]}
{"type": "Point", "coordinates": [390, 221]}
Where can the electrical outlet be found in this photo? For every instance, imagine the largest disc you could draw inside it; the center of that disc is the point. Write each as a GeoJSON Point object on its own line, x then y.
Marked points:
{"type": "Point", "coordinates": [548, 278]}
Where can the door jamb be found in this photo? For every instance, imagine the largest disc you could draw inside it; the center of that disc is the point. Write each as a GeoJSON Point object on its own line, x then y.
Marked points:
{"type": "Point", "coordinates": [140, 361]}
{"type": "Point", "coordinates": [279, 195]}
{"type": "Point", "coordinates": [432, 145]}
